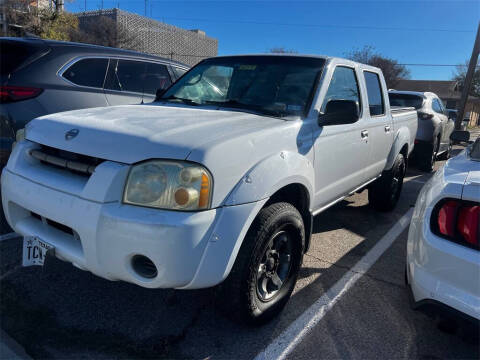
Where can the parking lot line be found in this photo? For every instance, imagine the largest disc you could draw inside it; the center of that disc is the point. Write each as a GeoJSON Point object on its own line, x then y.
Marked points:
{"type": "Point", "coordinates": [9, 236]}
{"type": "Point", "coordinates": [294, 334]}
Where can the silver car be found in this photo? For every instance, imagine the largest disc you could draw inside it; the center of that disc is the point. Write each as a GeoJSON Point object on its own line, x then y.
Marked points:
{"type": "Point", "coordinates": [434, 126]}
{"type": "Point", "coordinates": [40, 77]}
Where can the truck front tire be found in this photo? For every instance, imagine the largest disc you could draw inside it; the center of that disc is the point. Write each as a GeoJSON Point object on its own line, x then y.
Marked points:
{"type": "Point", "coordinates": [267, 265]}
{"type": "Point", "coordinates": [383, 193]}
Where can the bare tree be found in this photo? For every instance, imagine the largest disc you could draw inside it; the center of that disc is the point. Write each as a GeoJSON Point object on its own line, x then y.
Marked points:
{"type": "Point", "coordinates": [282, 50]}
{"type": "Point", "coordinates": [392, 71]}
{"type": "Point", "coordinates": [461, 73]}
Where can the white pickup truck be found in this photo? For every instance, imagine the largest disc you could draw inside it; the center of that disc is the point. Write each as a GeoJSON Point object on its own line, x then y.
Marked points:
{"type": "Point", "coordinates": [215, 182]}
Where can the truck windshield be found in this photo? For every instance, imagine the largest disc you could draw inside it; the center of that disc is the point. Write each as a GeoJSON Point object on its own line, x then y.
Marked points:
{"type": "Point", "coordinates": [406, 100]}
{"type": "Point", "coordinates": [271, 85]}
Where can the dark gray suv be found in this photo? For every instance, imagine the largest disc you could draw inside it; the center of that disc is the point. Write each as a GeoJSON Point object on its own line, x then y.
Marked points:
{"type": "Point", "coordinates": [39, 77]}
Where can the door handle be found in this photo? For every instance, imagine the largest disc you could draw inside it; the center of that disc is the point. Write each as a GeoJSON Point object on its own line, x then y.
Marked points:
{"type": "Point", "coordinates": [387, 128]}
{"type": "Point", "coordinates": [364, 134]}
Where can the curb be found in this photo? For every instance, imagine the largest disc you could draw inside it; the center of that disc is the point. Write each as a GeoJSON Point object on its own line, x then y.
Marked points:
{"type": "Point", "coordinates": [10, 349]}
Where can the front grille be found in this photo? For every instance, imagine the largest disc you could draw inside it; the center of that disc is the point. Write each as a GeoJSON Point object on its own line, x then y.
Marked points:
{"type": "Point", "coordinates": [54, 224]}
{"type": "Point", "coordinates": [81, 164]}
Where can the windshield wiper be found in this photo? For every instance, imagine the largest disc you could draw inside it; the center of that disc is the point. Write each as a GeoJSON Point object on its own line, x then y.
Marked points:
{"type": "Point", "coordinates": [185, 101]}
{"type": "Point", "coordinates": [239, 105]}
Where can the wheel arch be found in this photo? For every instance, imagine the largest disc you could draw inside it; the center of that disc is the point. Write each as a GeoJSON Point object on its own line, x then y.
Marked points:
{"type": "Point", "coordinates": [400, 145]}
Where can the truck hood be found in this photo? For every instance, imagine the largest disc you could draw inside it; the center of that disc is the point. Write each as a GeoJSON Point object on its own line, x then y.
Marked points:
{"type": "Point", "coordinates": [133, 133]}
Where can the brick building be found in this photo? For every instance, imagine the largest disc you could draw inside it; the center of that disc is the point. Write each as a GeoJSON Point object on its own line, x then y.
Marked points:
{"type": "Point", "coordinates": [157, 38]}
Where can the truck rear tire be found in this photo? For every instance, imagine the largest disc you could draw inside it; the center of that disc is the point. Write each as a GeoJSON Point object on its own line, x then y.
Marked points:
{"type": "Point", "coordinates": [267, 265]}
{"type": "Point", "coordinates": [383, 193]}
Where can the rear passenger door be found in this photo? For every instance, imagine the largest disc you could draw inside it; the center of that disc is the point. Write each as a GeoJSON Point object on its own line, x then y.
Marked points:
{"type": "Point", "coordinates": [380, 127]}
{"type": "Point", "coordinates": [124, 82]}
{"type": "Point", "coordinates": [157, 77]}
{"type": "Point", "coordinates": [82, 86]}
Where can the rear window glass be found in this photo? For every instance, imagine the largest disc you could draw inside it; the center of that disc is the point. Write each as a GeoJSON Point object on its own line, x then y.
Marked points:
{"type": "Point", "coordinates": [405, 100]}
{"type": "Point", "coordinates": [156, 77]}
{"type": "Point", "coordinates": [87, 72]}
{"type": "Point", "coordinates": [13, 54]}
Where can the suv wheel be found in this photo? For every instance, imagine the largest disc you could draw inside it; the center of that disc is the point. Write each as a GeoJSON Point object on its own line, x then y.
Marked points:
{"type": "Point", "coordinates": [428, 156]}
{"type": "Point", "coordinates": [266, 269]}
{"type": "Point", "coordinates": [446, 155]}
{"type": "Point", "coordinates": [383, 193]}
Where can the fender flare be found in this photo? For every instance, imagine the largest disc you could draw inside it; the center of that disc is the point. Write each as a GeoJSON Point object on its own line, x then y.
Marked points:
{"type": "Point", "coordinates": [402, 138]}
{"type": "Point", "coordinates": [270, 175]}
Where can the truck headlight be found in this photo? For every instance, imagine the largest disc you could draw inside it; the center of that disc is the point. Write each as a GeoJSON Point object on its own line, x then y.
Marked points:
{"type": "Point", "coordinates": [174, 185]}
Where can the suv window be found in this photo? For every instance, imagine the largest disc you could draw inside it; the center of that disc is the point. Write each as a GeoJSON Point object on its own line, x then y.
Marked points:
{"type": "Point", "coordinates": [374, 92]}
{"type": "Point", "coordinates": [87, 72]}
{"type": "Point", "coordinates": [156, 77]}
{"type": "Point", "coordinates": [343, 86]}
{"type": "Point", "coordinates": [406, 100]}
{"type": "Point", "coordinates": [436, 106]}
{"type": "Point", "coordinates": [14, 54]}
{"type": "Point", "coordinates": [178, 71]}
{"type": "Point", "coordinates": [126, 75]}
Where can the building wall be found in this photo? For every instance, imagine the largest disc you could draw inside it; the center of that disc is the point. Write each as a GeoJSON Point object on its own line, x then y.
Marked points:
{"type": "Point", "coordinates": [157, 38]}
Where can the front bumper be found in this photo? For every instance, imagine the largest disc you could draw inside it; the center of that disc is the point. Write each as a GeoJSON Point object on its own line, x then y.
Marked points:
{"type": "Point", "coordinates": [441, 271]}
{"type": "Point", "coordinates": [189, 249]}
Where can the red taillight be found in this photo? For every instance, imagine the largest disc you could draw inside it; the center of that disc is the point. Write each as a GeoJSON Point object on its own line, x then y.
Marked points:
{"type": "Point", "coordinates": [467, 224]}
{"type": "Point", "coordinates": [446, 218]}
{"type": "Point", "coordinates": [458, 221]}
{"type": "Point", "coordinates": [18, 93]}
{"type": "Point", "coordinates": [424, 116]}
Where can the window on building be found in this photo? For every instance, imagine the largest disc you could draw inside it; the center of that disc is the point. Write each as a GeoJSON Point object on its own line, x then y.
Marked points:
{"type": "Point", "coordinates": [343, 86]}
{"type": "Point", "coordinates": [156, 77]}
{"type": "Point", "coordinates": [374, 92]}
{"type": "Point", "coordinates": [87, 72]}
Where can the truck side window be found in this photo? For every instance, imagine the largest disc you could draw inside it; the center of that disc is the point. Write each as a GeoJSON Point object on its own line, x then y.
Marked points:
{"type": "Point", "coordinates": [343, 86]}
{"type": "Point", "coordinates": [374, 92]}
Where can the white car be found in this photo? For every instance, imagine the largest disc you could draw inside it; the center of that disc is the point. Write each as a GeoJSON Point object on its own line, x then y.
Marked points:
{"type": "Point", "coordinates": [217, 181]}
{"type": "Point", "coordinates": [443, 249]}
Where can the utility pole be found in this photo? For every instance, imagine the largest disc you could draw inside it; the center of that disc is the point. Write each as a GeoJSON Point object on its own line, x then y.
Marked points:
{"type": "Point", "coordinates": [472, 65]}
{"type": "Point", "coordinates": [146, 7]}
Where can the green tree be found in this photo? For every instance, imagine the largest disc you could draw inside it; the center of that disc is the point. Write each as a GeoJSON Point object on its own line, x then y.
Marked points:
{"type": "Point", "coordinates": [58, 26]}
{"type": "Point", "coordinates": [392, 71]}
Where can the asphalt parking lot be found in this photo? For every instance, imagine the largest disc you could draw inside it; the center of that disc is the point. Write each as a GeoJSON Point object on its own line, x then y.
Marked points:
{"type": "Point", "coordinates": [62, 312]}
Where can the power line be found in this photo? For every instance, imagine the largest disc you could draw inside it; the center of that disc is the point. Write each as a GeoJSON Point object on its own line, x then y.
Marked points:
{"type": "Point", "coordinates": [351, 27]}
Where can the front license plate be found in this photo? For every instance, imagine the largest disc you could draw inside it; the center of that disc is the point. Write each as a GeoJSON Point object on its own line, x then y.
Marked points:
{"type": "Point", "coordinates": [35, 251]}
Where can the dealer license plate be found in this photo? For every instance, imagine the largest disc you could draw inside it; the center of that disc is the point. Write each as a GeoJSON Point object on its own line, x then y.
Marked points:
{"type": "Point", "coordinates": [35, 251]}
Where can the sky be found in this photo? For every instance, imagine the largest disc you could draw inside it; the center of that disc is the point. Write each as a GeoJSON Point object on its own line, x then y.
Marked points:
{"type": "Point", "coordinates": [412, 32]}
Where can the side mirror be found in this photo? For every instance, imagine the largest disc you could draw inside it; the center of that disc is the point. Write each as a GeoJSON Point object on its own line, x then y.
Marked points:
{"type": "Point", "coordinates": [338, 112]}
{"type": "Point", "coordinates": [159, 94]}
{"type": "Point", "coordinates": [460, 136]}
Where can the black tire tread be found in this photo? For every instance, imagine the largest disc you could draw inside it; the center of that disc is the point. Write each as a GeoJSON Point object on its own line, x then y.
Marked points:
{"type": "Point", "coordinates": [236, 286]}
{"type": "Point", "coordinates": [379, 195]}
